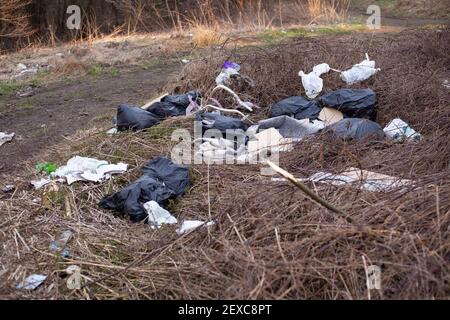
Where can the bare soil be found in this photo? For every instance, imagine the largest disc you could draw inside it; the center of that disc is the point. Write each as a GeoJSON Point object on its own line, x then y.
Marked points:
{"type": "Point", "coordinates": [57, 110]}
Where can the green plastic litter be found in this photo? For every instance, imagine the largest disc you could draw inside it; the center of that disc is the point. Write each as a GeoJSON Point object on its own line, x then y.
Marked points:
{"type": "Point", "coordinates": [46, 167]}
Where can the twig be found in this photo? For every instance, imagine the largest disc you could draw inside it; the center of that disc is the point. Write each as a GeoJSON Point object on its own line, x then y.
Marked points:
{"type": "Point", "coordinates": [309, 192]}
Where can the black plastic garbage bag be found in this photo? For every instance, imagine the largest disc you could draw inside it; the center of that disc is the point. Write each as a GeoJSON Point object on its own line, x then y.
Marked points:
{"type": "Point", "coordinates": [353, 103]}
{"type": "Point", "coordinates": [356, 128]}
{"type": "Point", "coordinates": [173, 105]}
{"type": "Point", "coordinates": [182, 99]}
{"type": "Point", "coordinates": [297, 107]}
{"type": "Point", "coordinates": [161, 180]}
{"type": "Point", "coordinates": [134, 118]}
{"type": "Point", "coordinates": [212, 120]}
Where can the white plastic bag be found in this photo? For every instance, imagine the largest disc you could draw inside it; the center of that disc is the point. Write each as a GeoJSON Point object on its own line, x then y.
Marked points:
{"type": "Point", "coordinates": [158, 216]}
{"type": "Point", "coordinates": [312, 83]}
{"type": "Point", "coordinates": [5, 137]}
{"type": "Point", "coordinates": [228, 69]}
{"type": "Point", "coordinates": [398, 130]}
{"type": "Point", "coordinates": [360, 72]}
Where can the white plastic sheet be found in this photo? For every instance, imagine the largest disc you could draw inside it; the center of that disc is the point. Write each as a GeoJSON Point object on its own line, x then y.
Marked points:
{"type": "Point", "coordinates": [366, 180]}
{"type": "Point", "coordinates": [32, 282]}
{"type": "Point", "coordinates": [191, 225]}
{"type": "Point", "coordinates": [88, 169]}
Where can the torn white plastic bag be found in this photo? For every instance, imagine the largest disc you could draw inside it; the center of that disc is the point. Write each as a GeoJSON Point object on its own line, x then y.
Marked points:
{"type": "Point", "coordinates": [38, 184]}
{"type": "Point", "coordinates": [367, 180]}
{"type": "Point", "coordinates": [5, 137]}
{"type": "Point", "coordinates": [158, 216]}
{"type": "Point", "coordinates": [228, 69]}
{"type": "Point", "coordinates": [32, 282]}
{"type": "Point", "coordinates": [312, 83]}
{"type": "Point", "coordinates": [399, 130]}
{"type": "Point", "coordinates": [88, 169]}
{"type": "Point", "coordinates": [360, 72]}
{"type": "Point", "coordinates": [191, 225]}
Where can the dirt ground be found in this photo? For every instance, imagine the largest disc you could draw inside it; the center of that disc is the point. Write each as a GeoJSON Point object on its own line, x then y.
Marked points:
{"type": "Point", "coordinates": [57, 110]}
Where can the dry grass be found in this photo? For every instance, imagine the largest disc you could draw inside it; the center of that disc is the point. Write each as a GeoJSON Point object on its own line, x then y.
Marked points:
{"type": "Point", "coordinates": [204, 36]}
{"type": "Point", "coordinates": [70, 66]}
{"type": "Point", "coordinates": [270, 241]}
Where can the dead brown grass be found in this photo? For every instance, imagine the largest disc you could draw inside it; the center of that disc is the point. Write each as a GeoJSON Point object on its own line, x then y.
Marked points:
{"type": "Point", "coordinates": [270, 241]}
{"type": "Point", "coordinates": [70, 66]}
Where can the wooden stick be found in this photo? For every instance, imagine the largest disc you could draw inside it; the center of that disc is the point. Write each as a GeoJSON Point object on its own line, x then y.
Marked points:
{"type": "Point", "coordinates": [309, 192]}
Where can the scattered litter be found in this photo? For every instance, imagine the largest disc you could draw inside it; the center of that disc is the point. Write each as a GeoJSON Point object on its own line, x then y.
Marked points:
{"type": "Point", "coordinates": [312, 83]}
{"type": "Point", "coordinates": [9, 188]}
{"type": "Point", "coordinates": [47, 167]}
{"type": "Point", "coordinates": [158, 216]}
{"type": "Point", "coordinates": [356, 128]}
{"type": "Point", "coordinates": [38, 184]}
{"type": "Point", "coordinates": [446, 84]}
{"type": "Point", "coordinates": [360, 72]}
{"type": "Point", "coordinates": [399, 130]}
{"type": "Point", "coordinates": [330, 116]}
{"type": "Point", "coordinates": [32, 282]}
{"type": "Point", "coordinates": [369, 181]}
{"type": "Point", "coordinates": [229, 69]}
{"type": "Point", "coordinates": [290, 127]}
{"type": "Point", "coordinates": [59, 245]}
{"type": "Point", "coordinates": [173, 105]}
{"type": "Point", "coordinates": [21, 67]}
{"type": "Point", "coordinates": [112, 131]}
{"type": "Point", "coordinates": [74, 280]}
{"type": "Point", "coordinates": [25, 92]}
{"type": "Point", "coordinates": [5, 137]}
{"type": "Point", "coordinates": [193, 107]}
{"type": "Point", "coordinates": [161, 180]}
{"type": "Point", "coordinates": [214, 120]}
{"type": "Point", "coordinates": [134, 118]}
{"type": "Point", "coordinates": [25, 70]}
{"type": "Point", "coordinates": [185, 61]}
{"type": "Point", "coordinates": [191, 225]}
{"type": "Point", "coordinates": [353, 103]}
{"type": "Point", "coordinates": [297, 107]}
{"type": "Point", "coordinates": [88, 169]}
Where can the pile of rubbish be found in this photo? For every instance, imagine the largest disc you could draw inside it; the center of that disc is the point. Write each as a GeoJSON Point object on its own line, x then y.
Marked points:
{"type": "Point", "coordinates": [344, 113]}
